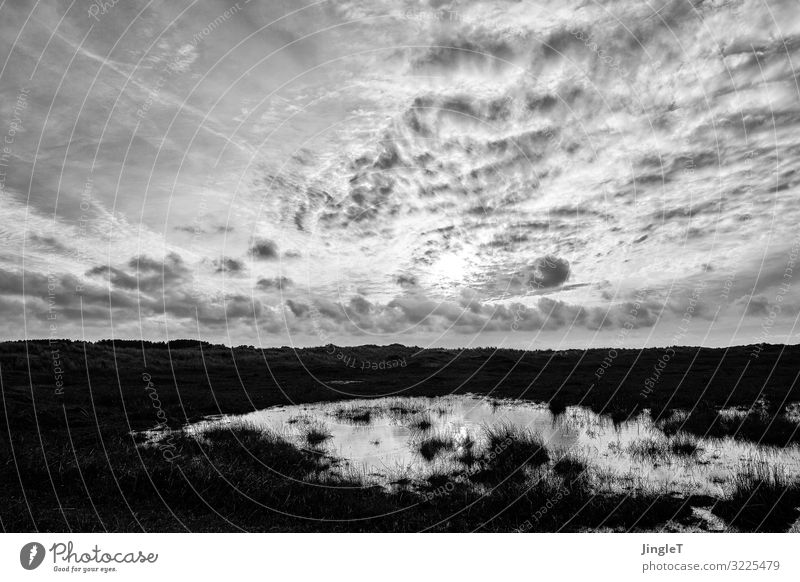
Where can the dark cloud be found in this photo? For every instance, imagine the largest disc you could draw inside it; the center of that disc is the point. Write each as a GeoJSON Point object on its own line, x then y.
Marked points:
{"type": "Point", "coordinates": [118, 277]}
{"type": "Point", "coordinates": [544, 273]}
{"type": "Point", "coordinates": [757, 305]}
{"type": "Point", "coordinates": [360, 305]}
{"type": "Point", "coordinates": [329, 309]}
{"type": "Point", "coordinates": [140, 289]}
{"type": "Point", "coordinates": [11, 282]}
{"type": "Point", "coordinates": [550, 271]}
{"type": "Point", "coordinates": [144, 273]}
{"type": "Point", "coordinates": [196, 229]}
{"type": "Point", "coordinates": [507, 240]}
{"type": "Point", "coordinates": [405, 280]}
{"type": "Point", "coordinates": [228, 265]}
{"type": "Point", "coordinates": [466, 314]}
{"type": "Point", "coordinates": [297, 308]}
{"type": "Point", "coordinates": [63, 294]}
{"type": "Point", "coordinates": [264, 249]}
{"type": "Point", "coordinates": [48, 243]}
{"type": "Point", "coordinates": [274, 283]}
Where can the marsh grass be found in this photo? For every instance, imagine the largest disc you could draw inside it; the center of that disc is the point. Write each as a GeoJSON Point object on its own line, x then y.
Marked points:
{"type": "Point", "coordinates": [509, 451]}
{"type": "Point", "coordinates": [570, 466]}
{"type": "Point", "coordinates": [246, 473]}
{"type": "Point", "coordinates": [466, 453]}
{"type": "Point", "coordinates": [429, 447]}
{"type": "Point", "coordinates": [401, 408]}
{"type": "Point", "coordinates": [761, 498]}
{"type": "Point", "coordinates": [659, 449]}
{"type": "Point", "coordinates": [684, 445]}
{"type": "Point", "coordinates": [397, 409]}
{"type": "Point", "coordinates": [314, 434]}
{"type": "Point", "coordinates": [61, 470]}
{"type": "Point", "coordinates": [757, 425]}
{"type": "Point", "coordinates": [422, 423]}
{"type": "Point", "coordinates": [649, 449]}
{"type": "Point", "coordinates": [354, 414]}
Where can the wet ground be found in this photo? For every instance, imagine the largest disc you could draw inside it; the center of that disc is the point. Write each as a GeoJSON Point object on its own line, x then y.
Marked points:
{"type": "Point", "coordinates": [383, 441]}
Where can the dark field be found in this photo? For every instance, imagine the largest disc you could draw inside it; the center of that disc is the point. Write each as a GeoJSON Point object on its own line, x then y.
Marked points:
{"type": "Point", "coordinates": [71, 462]}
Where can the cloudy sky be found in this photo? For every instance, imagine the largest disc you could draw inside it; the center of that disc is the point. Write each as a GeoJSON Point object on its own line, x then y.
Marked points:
{"type": "Point", "coordinates": [529, 174]}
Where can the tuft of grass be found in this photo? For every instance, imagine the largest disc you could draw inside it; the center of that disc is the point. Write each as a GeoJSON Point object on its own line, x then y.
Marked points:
{"type": "Point", "coordinates": [757, 425]}
{"type": "Point", "coordinates": [401, 408]}
{"type": "Point", "coordinates": [354, 415]}
{"type": "Point", "coordinates": [509, 449]}
{"type": "Point", "coordinates": [685, 445]}
{"type": "Point", "coordinates": [762, 498]}
{"type": "Point", "coordinates": [466, 454]}
{"type": "Point", "coordinates": [438, 479]}
{"type": "Point", "coordinates": [570, 467]}
{"type": "Point", "coordinates": [423, 423]}
{"type": "Point", "coordinates": [430, 447]}
{"type": "Point", "coordinates": [315, 434]}
{"type": "Point", "coordinates": [649, 449]}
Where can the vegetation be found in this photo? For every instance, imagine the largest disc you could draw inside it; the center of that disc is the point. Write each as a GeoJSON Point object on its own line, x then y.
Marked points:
{"type": "Point", "coordinates": [431, 446]}
{"type": "Point", "coordinates": [315, 434]}
{"type": "Point", "coordinates": [71, 458]}
{"type": "Point", "coordinates": [761, 499]}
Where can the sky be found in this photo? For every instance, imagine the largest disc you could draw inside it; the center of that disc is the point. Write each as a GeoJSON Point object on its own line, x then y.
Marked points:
{"type": "Point", "coordinates": [530, 174]}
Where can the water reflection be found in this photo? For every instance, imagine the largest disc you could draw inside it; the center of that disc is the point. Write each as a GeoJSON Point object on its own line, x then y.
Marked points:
{"type": "Point", "coordinates": [380, 440]}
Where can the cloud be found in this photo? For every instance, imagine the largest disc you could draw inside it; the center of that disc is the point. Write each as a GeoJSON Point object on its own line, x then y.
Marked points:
{"type": "Point", "coordinates": [297, 308]}
{"type": "Point", "coordinates": [228, 265]}
{"type": "Point", "coordinates": [197, 230]}
{"type": "Point", "coordinates": [544, 273]}
{"type": "Point", "coordinates": [144, 273]}
{"type": "Point", "coordinates": [48, 243]}
{"type": "Point", "coordinates": [414, 311]}
{"type": "Point", "coordinates": [755, 305]}
{"type": "Point", "coordinates": [360, 305]}
{"type": "Point", "coordinates": [465, 178]}
{"type": "Point", "coordinates": [550, 271]}
{"type": "Point", "coordinates": [274, 283]}
{"type": "Point", "coordinates": [406, 280]}
{"type": "Point", "coordinates": [264, 249]}
{"type": "Point", "coordinates": [139, 291]}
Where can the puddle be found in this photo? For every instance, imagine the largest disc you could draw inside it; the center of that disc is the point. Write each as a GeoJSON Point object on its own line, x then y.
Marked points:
{"type": "Point", "coordinates": [380, 440]}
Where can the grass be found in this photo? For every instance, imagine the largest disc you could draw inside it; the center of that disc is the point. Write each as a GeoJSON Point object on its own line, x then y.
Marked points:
{"type": "Point", "coordinates": [684, 445]}
{"type": "Point", "coordinates": [396, 409]}
{"type": "Point", "coordinates": [401, 408]}
{"type": "Point", "coordinates": [314, 434]}
{"type": "Point", "coordinates": [61, 469]}
{"type": "Point", "coordinates": [354, 415]}
{"type": "Point", "coordinates": [663, 449]}
{"type": "Point", "coordinates": [755, 425]}
{"type": "Point", "coordinates": [432, 446]}
{"type": "Point", "coordinates": [509, 450]}
{"type": "Point", "coordinates": [423, 423]}
{"type": "Point", "coordinates": [649, 449]}
{"type": "Point", "coordinates": [466, 454]}
{"type": "Point", "coordinates": [467, 457]}
{"type": "Point", "coordinates": [244, 474]}
{"type": "Point", "coordinates": [761, 498]}
{"type": "Point", "coordinates": [570, 466]}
